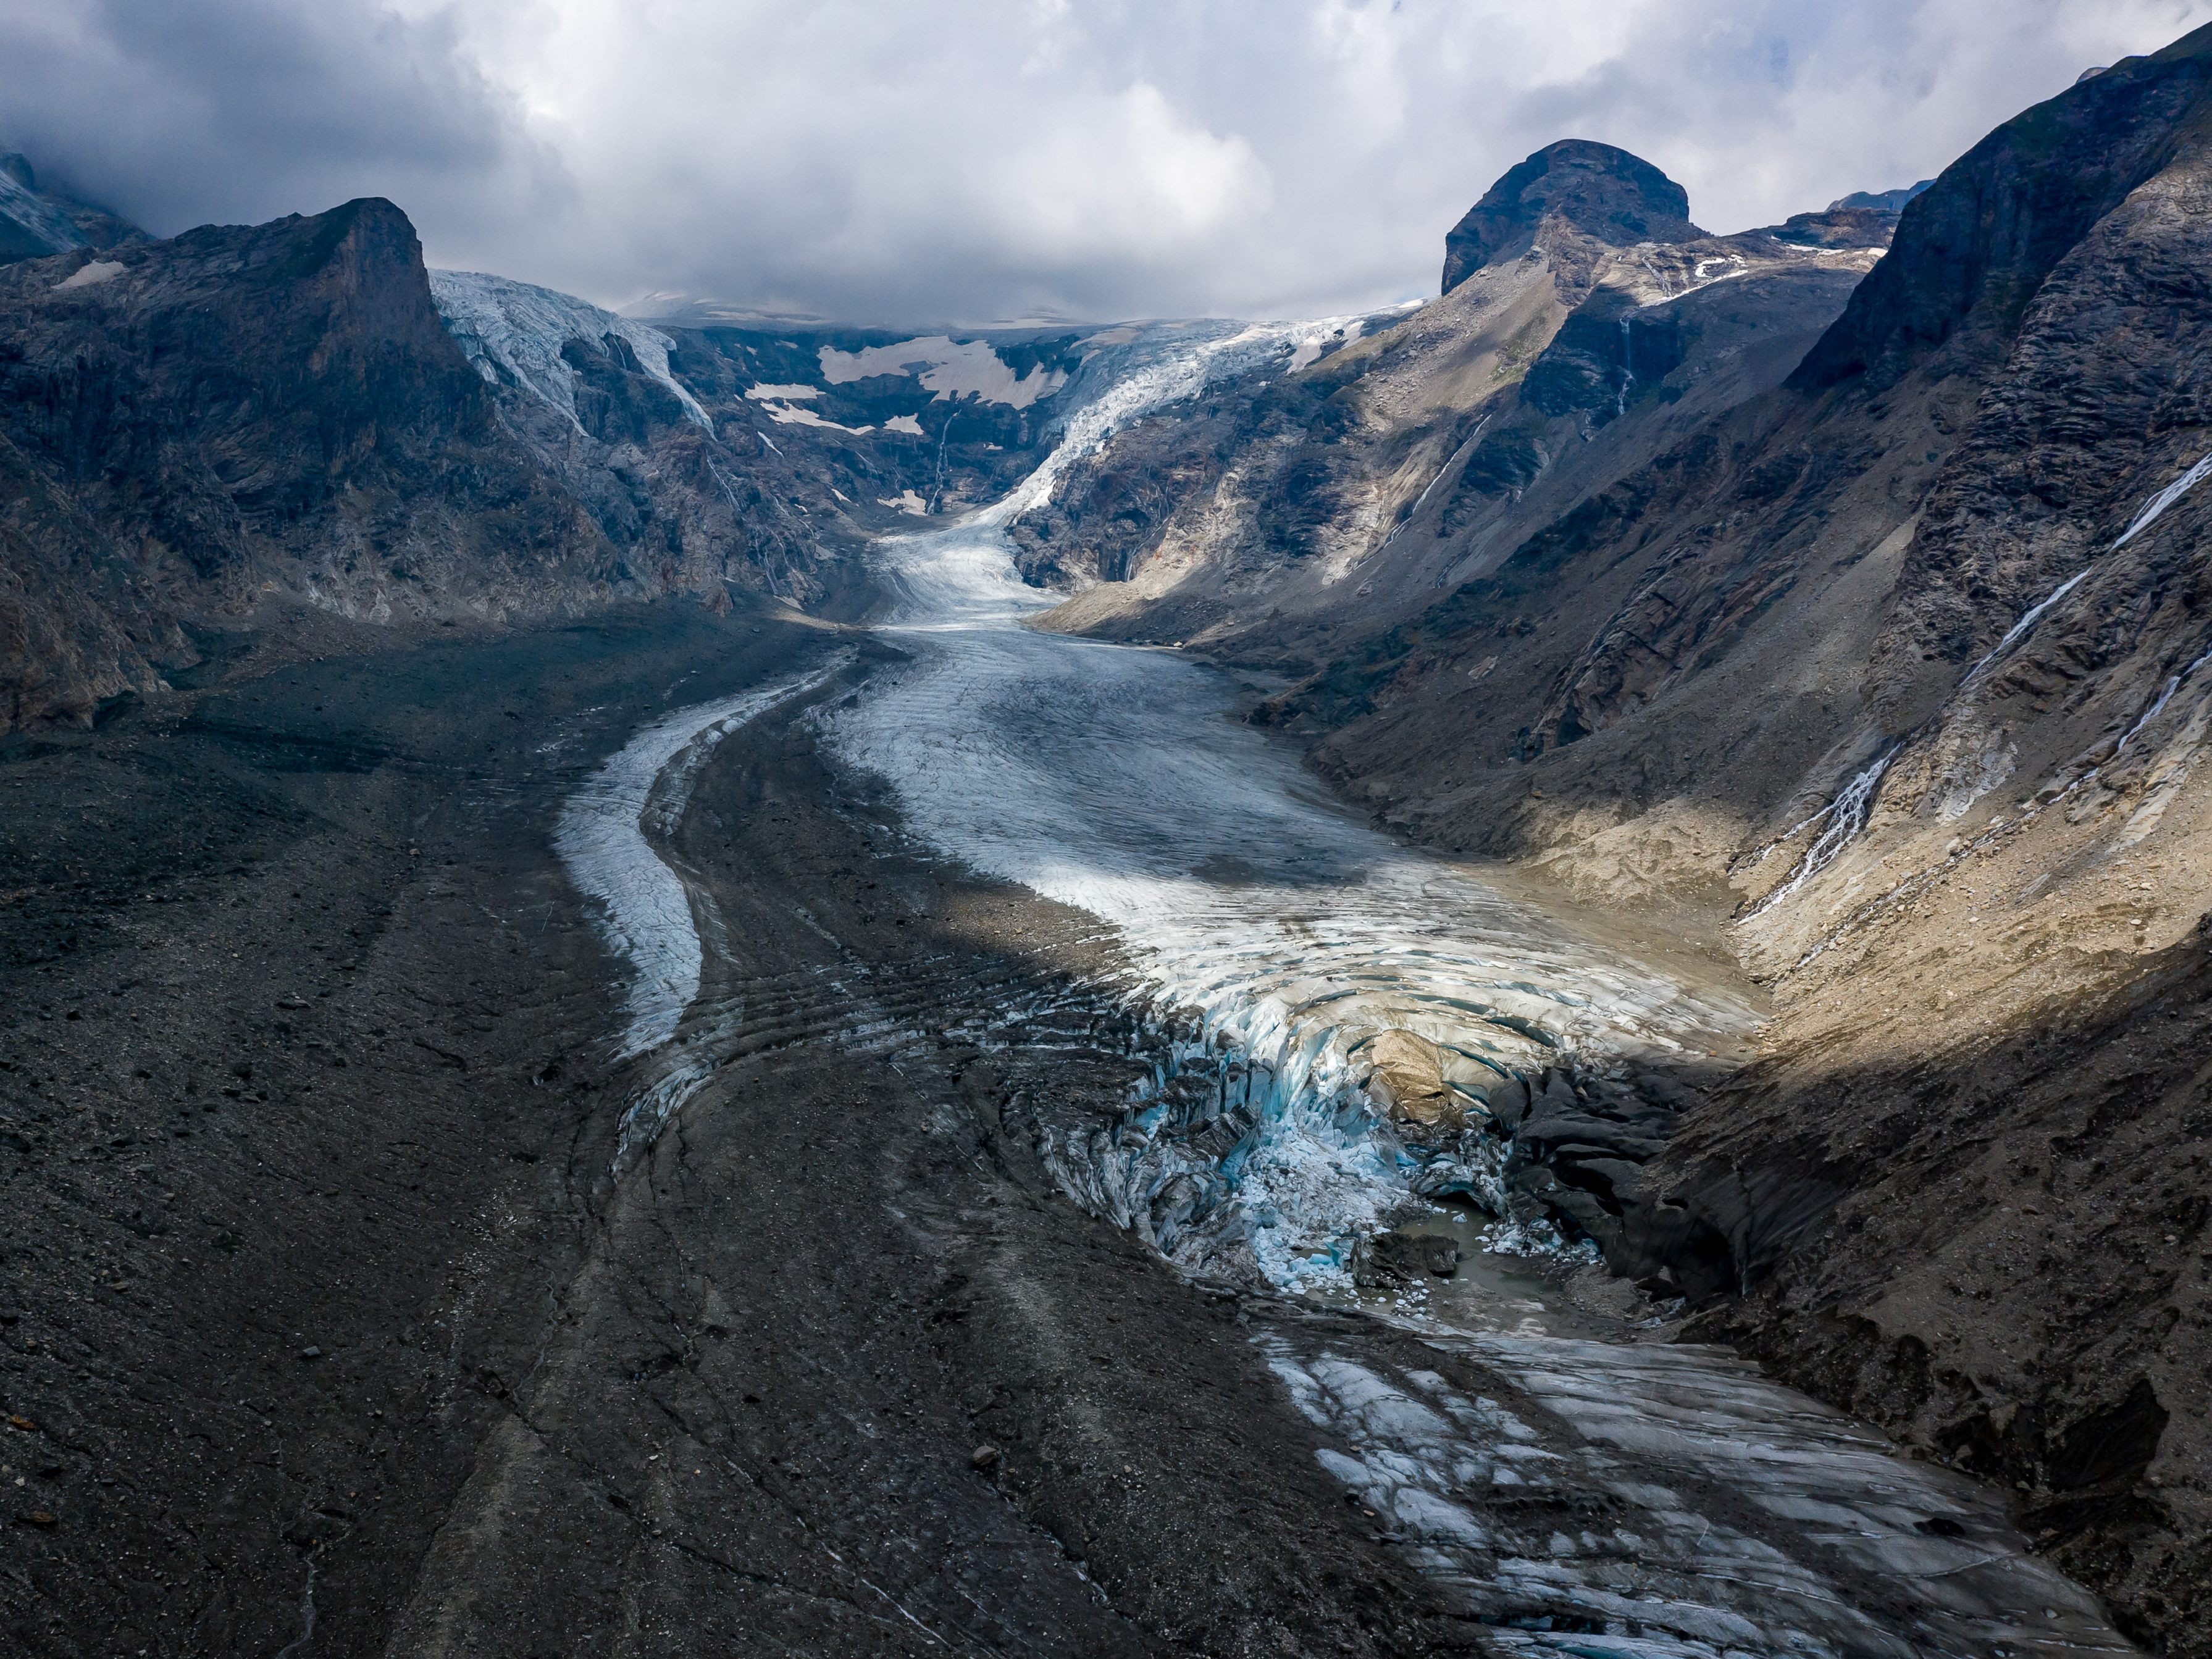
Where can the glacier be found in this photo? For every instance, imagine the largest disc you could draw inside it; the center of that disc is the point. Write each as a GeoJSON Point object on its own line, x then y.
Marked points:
{"type": "Point", "coordinates": [640, 897]}
{"type": "Point", "coordinates": [515, 330]}
{"type": "Point", "coordinates": [1282, 933]}
{"type": "Point", "coordinates": [39, 215]}
{"type": "Point", "coordinates": [1278, 938]}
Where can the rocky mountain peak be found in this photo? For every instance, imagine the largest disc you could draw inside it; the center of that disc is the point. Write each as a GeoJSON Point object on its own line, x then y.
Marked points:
{"type": "Point", "coordinates": [1878, 201]}
{"type": "Point", "coordinates": [1598, 190]}
{"type": "Point", "coordinates": [36, 222]}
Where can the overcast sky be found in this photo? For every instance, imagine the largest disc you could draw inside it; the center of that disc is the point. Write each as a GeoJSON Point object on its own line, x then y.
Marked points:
{"type": "Point", "coordinates": [963, 160]}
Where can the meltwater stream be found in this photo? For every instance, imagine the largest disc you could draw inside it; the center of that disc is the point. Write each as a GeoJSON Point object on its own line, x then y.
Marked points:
{"type": "Point", "coordinates": [1609, 1499]}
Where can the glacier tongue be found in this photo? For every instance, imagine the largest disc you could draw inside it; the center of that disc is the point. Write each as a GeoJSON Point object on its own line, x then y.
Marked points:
{"type": "Point", "coordinates": [1621, 1501]}
{"type": "Point", "coordinates": [1286, 934]}
{"type": "Point", "coordinates": [1598, 1498]}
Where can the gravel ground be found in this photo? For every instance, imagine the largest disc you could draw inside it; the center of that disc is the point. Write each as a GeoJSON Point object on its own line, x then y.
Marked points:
{"type": "Point", "coordinates": [326, 1327]}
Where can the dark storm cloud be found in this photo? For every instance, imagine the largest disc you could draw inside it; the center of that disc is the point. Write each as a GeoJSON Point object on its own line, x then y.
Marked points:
{"type": "Point", "coordinates": [969, 158]}
{"type": "Point", "coordinates": [177, 113]}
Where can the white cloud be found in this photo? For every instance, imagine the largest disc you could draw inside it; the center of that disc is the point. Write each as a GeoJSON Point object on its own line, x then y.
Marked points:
{"type": "Point", "coordinates": [967, 160]}
{"type": "Point", "coordinates": [1171, 182]}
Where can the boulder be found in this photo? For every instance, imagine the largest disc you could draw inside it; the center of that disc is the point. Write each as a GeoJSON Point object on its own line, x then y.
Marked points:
{"type": "Point", "coordinates": [1509, 1104]}
{"type": "Point", "coordinates": [1399, 1258]}
{"type": "Point", "coordinates": [1409, 1077]}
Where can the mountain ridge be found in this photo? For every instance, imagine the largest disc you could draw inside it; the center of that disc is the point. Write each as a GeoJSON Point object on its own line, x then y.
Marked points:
{"type": "Point", "coordinates": [1832, 593]}
{"type": "Point", "coordinates": [1879, 669]}
{"type": "Point", "coordinates": [233, 414]}
{"type": "Point", "coordinates": [212, 438]}
{"type": "Point", "coordinates": [35, 222]}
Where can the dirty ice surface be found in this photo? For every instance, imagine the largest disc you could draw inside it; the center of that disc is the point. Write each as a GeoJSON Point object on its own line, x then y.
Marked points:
{"type": "Point", "coordinates": [640, 899]}
{"type": "Point", "coordinates": [1623, 1501]}
{"type": "Point", "coordinates": [1118, 779]}
{"type": "Point", "coordinates": [1607, 1499]}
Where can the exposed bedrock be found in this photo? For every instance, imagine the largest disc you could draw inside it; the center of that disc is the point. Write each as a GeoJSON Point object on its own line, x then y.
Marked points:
{"type": "Point", "coordinates": [240, 421]}
{"type": "Point", "coordinates": [206, 440]}
{"type": "Point", "coordinates": [36, 219]}
{"type": "Point", "coordinates": [1292, 520]}
{"type": "Point", "coordinates": [1598, 190]}
{"type": "Point", "coordinates": [1997, 1250]}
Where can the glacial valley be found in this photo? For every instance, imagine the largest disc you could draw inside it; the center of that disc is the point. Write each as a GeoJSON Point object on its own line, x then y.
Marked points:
{"type": "Point", "coordinates": [1523, 974]}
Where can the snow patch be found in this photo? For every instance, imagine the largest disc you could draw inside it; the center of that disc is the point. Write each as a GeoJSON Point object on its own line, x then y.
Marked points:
{"type": "Point", "coordinates": [949, 367]}
{"type": "Point", "coordinates": [908, 424]}
{"type": "Point", "coordinates": [1308, 350]}
{"type": "Point", "coordinates": [785, 414]}
{"type": "Point", "coordinates": [100, 270]}
{"type": "Point", "coordinates": [761, 394]}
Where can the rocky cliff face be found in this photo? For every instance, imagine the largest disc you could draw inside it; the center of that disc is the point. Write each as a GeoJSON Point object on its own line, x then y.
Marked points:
{"type": "Point", "coordinates": [35, 222]}
{"type": "Point", "coordinates": [1884, 201]}
{"type": "Point", "coordinates": [1869, 627]}
{"type": "Point", "coordinates": [1575, 306]}
{"type": "Point", "coordinates": [235, 420]}
{"type": "Point", "coordinates": [233, 431]}
{"type": "Point", "coordinates": [789, 443]}
{"type": "Point", "coordinates": [1272, 521]}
